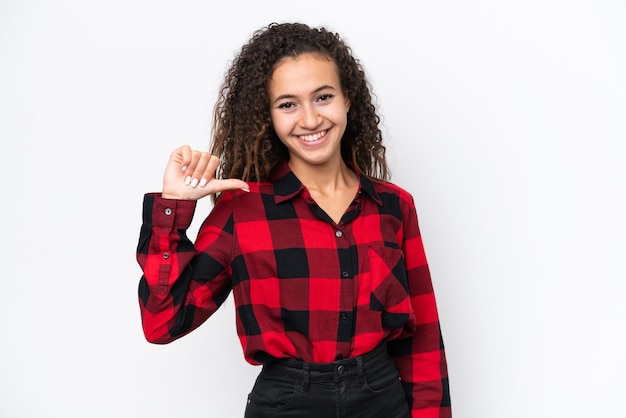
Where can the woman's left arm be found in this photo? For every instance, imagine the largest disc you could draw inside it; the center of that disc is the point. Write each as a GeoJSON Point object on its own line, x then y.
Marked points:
{"type": "Point", "coordinates": [421, 358]}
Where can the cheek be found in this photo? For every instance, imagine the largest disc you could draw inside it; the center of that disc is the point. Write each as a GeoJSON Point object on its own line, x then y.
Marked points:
{"type": "Point", "coordinates": [282, 125]}
{"type": "Point", "coordinates": [341, 116]}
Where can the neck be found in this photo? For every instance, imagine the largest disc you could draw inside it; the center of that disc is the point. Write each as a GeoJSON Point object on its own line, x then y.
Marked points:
{"type": "Point", "coordinates": [325, 178]}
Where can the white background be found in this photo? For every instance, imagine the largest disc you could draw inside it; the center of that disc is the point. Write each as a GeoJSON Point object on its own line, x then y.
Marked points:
{"type": "Point", "coordinates": [505, 120]}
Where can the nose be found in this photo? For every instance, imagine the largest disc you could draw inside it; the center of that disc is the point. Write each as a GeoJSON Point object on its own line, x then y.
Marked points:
{"type": "Point", "coordinates": [310, 117]}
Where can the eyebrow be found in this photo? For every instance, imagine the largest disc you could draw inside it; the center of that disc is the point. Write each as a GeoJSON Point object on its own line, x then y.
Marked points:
{"type": "Point", "coordinates": [291, 96]}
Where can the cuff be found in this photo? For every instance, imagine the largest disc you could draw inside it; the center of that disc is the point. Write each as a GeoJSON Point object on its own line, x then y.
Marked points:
{"type": "Point", "coordinates": [169, 213]}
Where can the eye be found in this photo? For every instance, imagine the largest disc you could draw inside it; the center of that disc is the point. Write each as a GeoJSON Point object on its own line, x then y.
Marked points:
{"type": "Point", "coordinates": [286, 105]}
{"type": "Point", "coordinates": [325, 97]}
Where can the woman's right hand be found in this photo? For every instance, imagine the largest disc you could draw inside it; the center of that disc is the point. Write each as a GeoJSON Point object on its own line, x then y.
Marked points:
{"type": "Point", "coordinates": [190, 175]}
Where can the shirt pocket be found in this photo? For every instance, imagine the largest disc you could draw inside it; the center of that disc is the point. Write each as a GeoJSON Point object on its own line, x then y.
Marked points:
{"type": "Point", "coordinates": [389, 291]}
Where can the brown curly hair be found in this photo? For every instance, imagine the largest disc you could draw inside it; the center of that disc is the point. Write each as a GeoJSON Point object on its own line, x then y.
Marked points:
{"type": "Point", "coordinates": [243, 134]}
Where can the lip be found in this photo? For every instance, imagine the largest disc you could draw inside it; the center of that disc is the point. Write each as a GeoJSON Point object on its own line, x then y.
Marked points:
{"type": "Point", "coordinates": [313, 138]}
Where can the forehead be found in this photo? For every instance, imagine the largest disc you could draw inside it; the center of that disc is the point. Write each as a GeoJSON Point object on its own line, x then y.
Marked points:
{"type": "Point", "coordinates": [305, 70]}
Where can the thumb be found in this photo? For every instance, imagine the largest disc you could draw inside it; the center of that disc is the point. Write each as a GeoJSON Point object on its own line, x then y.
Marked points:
{"type": "Point", "coordinates": [229, 184]}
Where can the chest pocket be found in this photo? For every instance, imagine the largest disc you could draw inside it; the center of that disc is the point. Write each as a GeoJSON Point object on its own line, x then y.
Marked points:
{"type": "Point", "coordinates": [389, 285]}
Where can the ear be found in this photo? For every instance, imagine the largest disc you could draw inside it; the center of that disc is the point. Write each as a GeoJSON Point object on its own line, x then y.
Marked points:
{"type": "Point", "coordinates": [347, 102]}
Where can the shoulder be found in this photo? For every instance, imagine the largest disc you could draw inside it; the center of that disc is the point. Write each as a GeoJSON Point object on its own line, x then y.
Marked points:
{"type": "Point", "coordinates": [387, 190]}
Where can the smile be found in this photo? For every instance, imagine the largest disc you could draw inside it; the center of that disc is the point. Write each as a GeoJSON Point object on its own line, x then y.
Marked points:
{"type": "Point", "coordinates": [312, 137]}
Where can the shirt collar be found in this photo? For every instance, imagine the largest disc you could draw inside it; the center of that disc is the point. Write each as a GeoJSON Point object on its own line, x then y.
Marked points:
{"type": "Point", "coordinates": [287, 185]}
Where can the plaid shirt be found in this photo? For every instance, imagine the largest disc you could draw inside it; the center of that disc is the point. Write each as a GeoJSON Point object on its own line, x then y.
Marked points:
{"type": "Point", "coordinates": [304, 287]}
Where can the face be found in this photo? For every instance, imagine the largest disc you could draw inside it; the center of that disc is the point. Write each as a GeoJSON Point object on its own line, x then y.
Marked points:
{"type": "Point", "coordinates": [309, 110]}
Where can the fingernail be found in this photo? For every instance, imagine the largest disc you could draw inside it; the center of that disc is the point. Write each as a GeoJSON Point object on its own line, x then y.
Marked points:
{"type": "Point", "coordinates": [194, 182]}
{"type": "Point", "coordinates": [245, 190]}
{"type": "Point", "coordinates": [188, 180]}
{"type": "Point", "coordinates": [184, 168]}
{"type": "Point", "coordinates": [203, 182]}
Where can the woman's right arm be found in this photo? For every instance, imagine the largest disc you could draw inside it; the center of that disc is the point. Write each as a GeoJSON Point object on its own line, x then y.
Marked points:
{"type": "Point", "coordinates": [182, 285]}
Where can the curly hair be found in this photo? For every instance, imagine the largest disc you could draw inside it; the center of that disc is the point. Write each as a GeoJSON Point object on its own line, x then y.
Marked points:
{"type": "Point", "coordinates": [243, 134]}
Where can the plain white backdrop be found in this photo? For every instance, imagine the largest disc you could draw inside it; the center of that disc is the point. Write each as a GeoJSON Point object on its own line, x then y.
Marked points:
{"type": "Point", "coordinates": [505, 120]}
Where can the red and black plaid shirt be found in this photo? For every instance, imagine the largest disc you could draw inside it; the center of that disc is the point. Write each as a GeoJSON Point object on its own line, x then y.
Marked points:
{"type": "Point", "coordinates": [304, 287]}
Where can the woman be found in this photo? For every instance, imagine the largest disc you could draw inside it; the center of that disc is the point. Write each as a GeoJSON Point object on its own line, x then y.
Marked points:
{"type": "Point", "coordinates": [322, 253]}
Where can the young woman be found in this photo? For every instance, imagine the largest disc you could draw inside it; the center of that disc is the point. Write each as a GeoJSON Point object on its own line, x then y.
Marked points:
{"type": "Point", "coordinates": [322, 253]}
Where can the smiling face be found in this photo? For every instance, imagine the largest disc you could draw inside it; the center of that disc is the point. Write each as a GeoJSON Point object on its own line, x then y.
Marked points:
{"type": "Point", "coordinates": [308, 110]}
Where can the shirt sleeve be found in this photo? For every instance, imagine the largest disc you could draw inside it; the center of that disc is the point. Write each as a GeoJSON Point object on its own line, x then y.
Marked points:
{"type": "Point", "coordinates": [421, 358]}
{"type": "Point", "coordinates": [183, 283]}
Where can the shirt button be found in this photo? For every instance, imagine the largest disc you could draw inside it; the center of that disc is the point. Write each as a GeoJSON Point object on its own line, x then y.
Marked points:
{"type": "Point", "coordinates": [345, 274]}
{"type": "Point", "coordinates": [168, 211]}
{"type": "Point", "coordinates": [166, 255]}
{"type": "Point", "coordinates": [338, 234]}
{"type": "Point", "coordinates": [344, 316]}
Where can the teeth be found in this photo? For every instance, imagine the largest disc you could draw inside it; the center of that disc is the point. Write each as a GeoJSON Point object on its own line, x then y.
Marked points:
{"type": "Point", "coordinates": [311, 138]}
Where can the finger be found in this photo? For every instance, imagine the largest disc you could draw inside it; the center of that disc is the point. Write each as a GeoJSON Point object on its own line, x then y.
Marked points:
{"type": "Point", "coordinates": [213, 164]}
{"type": "Point", "coordinates": [194, 160]}
{"type": "Point", "coordinates": [204, 159]}
{"type": "Point", "coordinates": [185, 152]}
{"type": "Point", "coordinates": [181, 155]}
{"type": "Point", "coordinates": [209, 172]}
